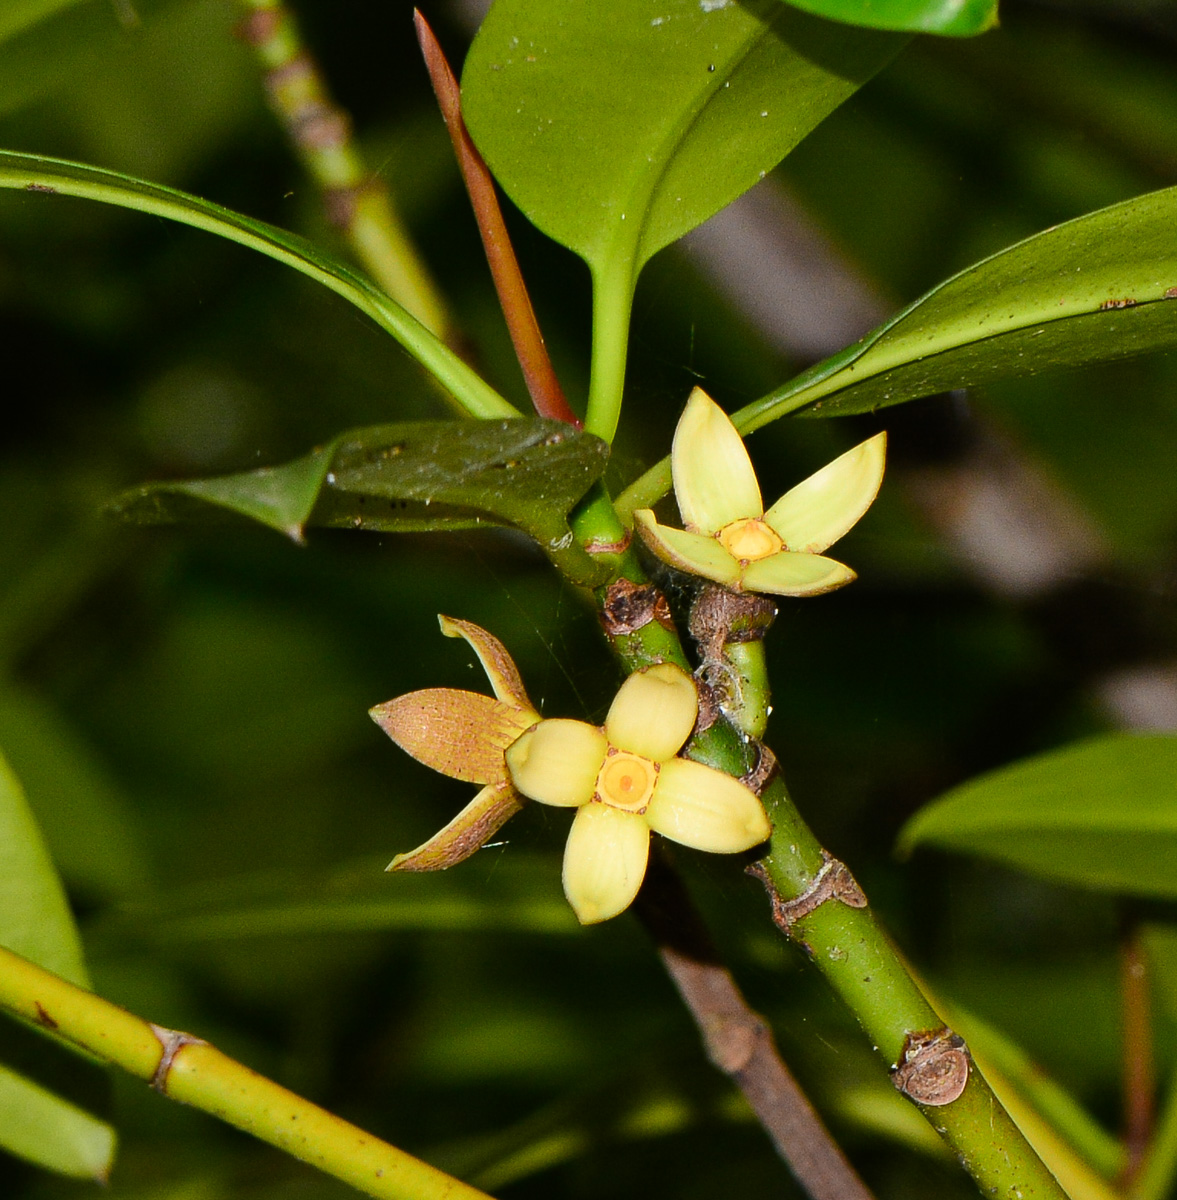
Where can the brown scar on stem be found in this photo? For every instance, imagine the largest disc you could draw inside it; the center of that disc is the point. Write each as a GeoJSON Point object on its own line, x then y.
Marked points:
{"type": "Point", "coordinates": [1170, 294]}
{"type": "Point", "coordinates": [832, 882]}
{"type": "Point", "coordinates": [599, 547]}
{"type": "Point", "coordinates": [934, 1067]}
{"type": "Point", "coordinates": [172, 1041]}
{"type": "Point", "coordinates": [1126, 302]}
{"type": "Point", "coordinates": [41, 187]}
{"type": "Point", "coordinates": [43, 1017]}
{"type": "Point", "coordinates": [630, 606]}
{"type": "Point", "coordinates": [764, 769]}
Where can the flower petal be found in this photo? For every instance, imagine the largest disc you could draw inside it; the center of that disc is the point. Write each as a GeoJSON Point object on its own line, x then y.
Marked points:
{"type": "Point", "coordinates": [714, 482]}
{"type": "Point", "coordinates": [695, 553]}
{"type": "Point", "coordinates": [499, 666]}
{"type": "Point", "coordinates": [819, 510]}
{"type": "Point", "coordinates": [704, 808]}
{"type": "Point", "coordinates": [558, 762]}
{"type": "Point", "coordinates": [460, 734]}
{"type": "Point", "coordinates": [789, 574]}
{"type": "Point", "coordinates": [604, 861]}
{"type": "Point", "coordinates": [479, 821]}
{"type": "Point", "coordinates": [654, 712]}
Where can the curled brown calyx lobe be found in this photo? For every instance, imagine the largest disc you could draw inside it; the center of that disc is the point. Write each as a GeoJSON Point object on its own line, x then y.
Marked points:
{"type": "Point", "coordinates": [934, 1068]}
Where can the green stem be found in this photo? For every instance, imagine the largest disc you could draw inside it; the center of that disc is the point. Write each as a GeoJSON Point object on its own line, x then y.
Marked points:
{"type": "Point", "coordinates": [470, 393]}
{"type": "Point", "coordinates": [321, 134]}
{"type": "Point", "coordinates": [612, 303]}
{"type": "Point", "coordinates": [1155, 1181]}
{"type": "Point", "coordinates": [193, 1072]}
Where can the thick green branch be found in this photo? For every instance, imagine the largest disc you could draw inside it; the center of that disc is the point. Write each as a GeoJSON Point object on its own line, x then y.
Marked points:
{"type": "Point", "coordinates": [195, 1073]}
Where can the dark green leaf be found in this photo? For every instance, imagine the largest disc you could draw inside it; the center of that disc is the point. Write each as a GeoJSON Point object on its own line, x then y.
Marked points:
{"type": "Point", "coordinates": [417, 476]}
{"type": "Point", "coordinates": [34, 173]}
{"type": "Point", "coordinates": [1102, 814]}
{"type": "Point", "coordinates": [1096, 288]}
{"type": "Point", "coordinates": [78, 806]}
{"type": "Point", "coordinates": [620, 125]}
{"type": "Point", "coordinates": [958, 18]}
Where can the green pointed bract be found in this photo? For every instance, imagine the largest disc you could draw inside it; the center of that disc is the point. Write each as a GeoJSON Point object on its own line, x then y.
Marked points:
{"type": "Point", "coordinates": [701, 807]}
{"type": "Point", "coordinates": [654, 712]}
{"type": "Point", "coordinates": [818, 511]}
{"type": "Point", "coordinates": [788, 574]}
{"type": "Point", "coordinates": [714, 482]}
{"type": "Point", "coordinates": [558, 762]}
{"type": "Point", "coordinates": [694, 553]}
{"type": "Point", "coordinates": [604, 861]}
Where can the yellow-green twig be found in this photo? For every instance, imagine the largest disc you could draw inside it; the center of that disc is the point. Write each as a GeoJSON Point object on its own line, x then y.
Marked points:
{"type": "Point", "coordinates": [193, 1072]}
{"type": "Point", "coordinates": [320, 132]}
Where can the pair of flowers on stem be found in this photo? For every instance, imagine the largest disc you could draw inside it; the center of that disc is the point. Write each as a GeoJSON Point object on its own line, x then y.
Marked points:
{"type": "Point", "coordinates": [625, 779]}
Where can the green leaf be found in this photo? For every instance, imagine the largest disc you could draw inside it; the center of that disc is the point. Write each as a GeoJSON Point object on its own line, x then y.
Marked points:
{"type": "Point", "coordinates": [19, 15]}
{"type": "Point", "coordinates": [957, 18]}
{"type": "Point", "coordinates": [78, 806]}
{"type": "Point", "coordinates": [1096, 288]}
{"type": "Point", "coordinates": [40, 1126]}
{"type": "Point", "coordinates": [35, 921]}
{"type": "Point", "coordinates": [1101, 814]}
{"type": "Point", "coordinates": [620, 125]}
{"type": "Point", "coordinates": [418, 476]}
{"type": "Point", "coordinates": [37, 174]}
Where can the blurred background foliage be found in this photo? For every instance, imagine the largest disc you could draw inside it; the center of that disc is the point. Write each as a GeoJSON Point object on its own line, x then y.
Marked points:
{"type": "Point", "coordinates": [187, 709]}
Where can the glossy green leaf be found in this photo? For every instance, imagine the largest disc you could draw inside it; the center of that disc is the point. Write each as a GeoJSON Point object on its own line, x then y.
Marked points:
{"type": "Point", "coordinates": [35, 921]}
{"type": "Point", "coordinates": [957, 18]}
{"type": "Point", "coordinates": [40, 1126]}
{"type": "Point", "coordinates": [620, 125]}
{"type": "Point", "coordinates": [1102, 814]}
{"type": "Point", "coordinates": [418, 476]}
{"type": "Point", "coordinates": [1100, 287]}
{"type": "Point", "coordinates": [35, 174]}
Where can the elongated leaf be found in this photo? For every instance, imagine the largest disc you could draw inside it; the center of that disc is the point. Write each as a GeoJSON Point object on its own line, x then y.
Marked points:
{"type": "Point", "coordinates": [418, 476]}
{"type": "Point", "coordinates": [36, 174]}
{"type": "Point", "coordinates": [957, 18]}
{"type": "Point", "coordinates": [618, 126]}
{"type": "Point", "coordinates": [515, 892]}
{"type": "Point", "coordinates": [1102, 814]}
{"type": "Point", "coordinates": [78, 805]}
{"type": "Point", "coordinates": [1096, 288]}
{"type": "Point", "coordinates": [40, 1126]}
{"type": "Point", "coordinates": [35, 921]}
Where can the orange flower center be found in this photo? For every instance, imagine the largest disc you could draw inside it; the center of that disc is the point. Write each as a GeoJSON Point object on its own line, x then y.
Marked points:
{"type": "Point", "coordinates": [626, 781]}
{"type": "Point", "coordinates": [749, 539]}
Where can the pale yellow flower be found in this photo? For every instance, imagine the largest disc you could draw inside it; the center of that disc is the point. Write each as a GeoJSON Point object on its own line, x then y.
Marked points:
{"type": "Point", "coordinates": [624, 780]}
{"type": "Point", "coordinates": [728, 535]}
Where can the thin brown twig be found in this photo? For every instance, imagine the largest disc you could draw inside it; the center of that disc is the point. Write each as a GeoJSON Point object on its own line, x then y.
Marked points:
{"type": "Point", "coordinates": [1139, 1067]}
{"type": "Point", "coordinates": [738, 1040]}
{"type": "Point", "coordinates": [542, 384]}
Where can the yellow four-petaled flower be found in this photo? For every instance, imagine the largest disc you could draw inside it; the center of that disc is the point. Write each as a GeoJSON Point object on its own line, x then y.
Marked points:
{"type": "Point", "coordinates": [624, 779]}
{"type": "Point", "coordinates": [728, 535]}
